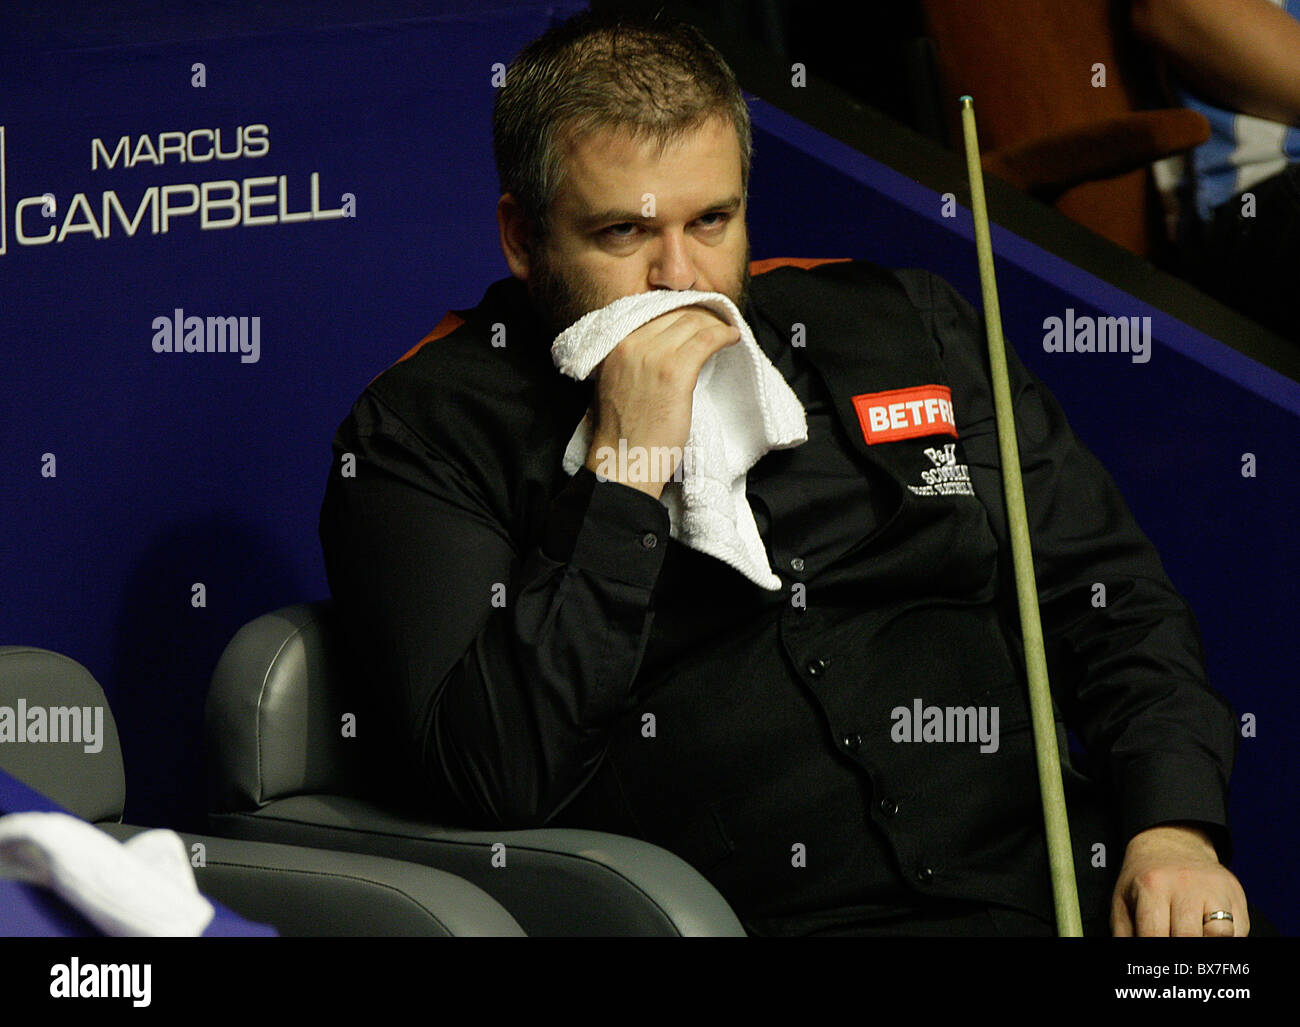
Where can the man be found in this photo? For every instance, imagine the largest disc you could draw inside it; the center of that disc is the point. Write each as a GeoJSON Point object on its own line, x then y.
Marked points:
{"type": "Point", "coordinates": [1238, 63]}
{"type": "Point", "coordinates": [546, 654]}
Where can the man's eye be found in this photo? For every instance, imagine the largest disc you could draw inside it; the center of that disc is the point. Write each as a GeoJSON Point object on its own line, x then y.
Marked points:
{"type": "Point", "coordinates": [617, 231]}
{"type": "Point", "coordinates": [714, 220]}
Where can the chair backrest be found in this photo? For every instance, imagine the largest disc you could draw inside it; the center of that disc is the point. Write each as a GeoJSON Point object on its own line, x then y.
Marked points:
{"type": "Point", "coordinates": [57, 734]}
{"type": "Point", "coordinates": [1030, 67]}
{"type": "Point", "coordinates": [278, 721]}
{"type": "Point", "coordinates": [51, 756]}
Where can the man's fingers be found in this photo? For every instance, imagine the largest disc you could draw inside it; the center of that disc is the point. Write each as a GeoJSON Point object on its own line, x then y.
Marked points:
{"type": "Point", "coordinates": [676, 326]}
{"type": "Point", "coordinates": [668, 334]}
{"type": "Point", "coordinates": [1187, 914]}
{"type": "Point", "coordinates": [692, 340]}
{"type": "Point", "coordinates": [697, 350]}
{"type": "Point", "coordinates": [1121, 924]}
{"type": "Point", "coordinates": [680, 347]}
{"type": "Point", "coordinates": [1218, 928]}
{"type": "Point", "coordinates": [1235, 903]}
{"type": "Point", "coordinates": [1152, 914]}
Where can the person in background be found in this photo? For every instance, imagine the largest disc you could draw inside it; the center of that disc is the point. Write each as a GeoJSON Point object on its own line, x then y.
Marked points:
{"type": "Point", "coordinates": [1238, 63]}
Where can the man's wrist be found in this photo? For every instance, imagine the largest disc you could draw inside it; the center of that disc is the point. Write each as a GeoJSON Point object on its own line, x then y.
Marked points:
{"type": "Point", "coordinates": [646, 469]}
{"type": "Point", "coordinates": [614, 533]}
{"type": "Point", "coordinates": [600, 468]}
{"type": "Point", "coordinates": [1184, 834]}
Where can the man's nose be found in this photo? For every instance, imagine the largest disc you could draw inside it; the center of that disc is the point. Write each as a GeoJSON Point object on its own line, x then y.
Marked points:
{"type": "Point", "coordinates": [671, 267]}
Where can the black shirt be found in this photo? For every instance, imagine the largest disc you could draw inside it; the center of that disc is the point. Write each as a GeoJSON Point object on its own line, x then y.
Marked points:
{"type": "Point", "coordinates": [545, 655]}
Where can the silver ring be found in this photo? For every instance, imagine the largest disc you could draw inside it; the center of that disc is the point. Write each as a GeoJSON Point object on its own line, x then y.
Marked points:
{"type": "Point", "coordinates": [1218, 914]}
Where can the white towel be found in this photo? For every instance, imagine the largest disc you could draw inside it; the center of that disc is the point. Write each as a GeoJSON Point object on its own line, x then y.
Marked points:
{"type": "Point", "coordinates": [741, 409]}
{"type": "Point", "coordinates": [141, 888]}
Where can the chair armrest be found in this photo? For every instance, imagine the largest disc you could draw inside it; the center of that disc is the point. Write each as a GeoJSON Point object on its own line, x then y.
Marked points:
{"type": "Point", "coordinates": [556, 882]}
{"type": "Point", "coordinates": [1050, 165]}
{"type": "Point", "coordinates": [306, 892]}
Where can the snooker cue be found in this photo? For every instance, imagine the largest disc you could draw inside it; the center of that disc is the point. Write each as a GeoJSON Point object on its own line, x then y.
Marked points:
{"type": "Point", "coordinates": [1060, 857]}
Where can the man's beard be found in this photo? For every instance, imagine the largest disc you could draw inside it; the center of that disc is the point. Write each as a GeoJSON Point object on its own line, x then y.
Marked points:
{"type": "Point", "coordinates": [560, 298]}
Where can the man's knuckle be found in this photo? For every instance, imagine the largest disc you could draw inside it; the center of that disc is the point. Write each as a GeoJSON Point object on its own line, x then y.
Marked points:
{"type": "Point", "coordinates": [667, 374]}
{"type": "Point", "coordinates": [1150, 880]}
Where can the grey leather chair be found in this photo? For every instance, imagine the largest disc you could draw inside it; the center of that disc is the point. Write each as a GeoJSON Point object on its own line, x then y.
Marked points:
{"type": "Point", "coordinates": [282, 768]}
{"type": "Point", "coordinates": [300, 891]}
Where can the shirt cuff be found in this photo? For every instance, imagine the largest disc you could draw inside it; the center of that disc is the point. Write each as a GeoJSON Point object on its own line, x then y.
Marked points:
{"type": "Point", "coordinates": [1172, 788]}
{"type": "Point", "coordinates": [608, 529]}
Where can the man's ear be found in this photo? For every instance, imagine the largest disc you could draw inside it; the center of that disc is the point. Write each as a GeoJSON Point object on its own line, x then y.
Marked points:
{"type": "Point", "coordinates": [516, 232]}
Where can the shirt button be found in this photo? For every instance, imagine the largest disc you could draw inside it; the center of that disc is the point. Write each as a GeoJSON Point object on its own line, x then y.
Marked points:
{"type": "Point", "coordinates": [816, 668]}
{"type": "Point", "coordinates": [797, 563]}
{"type": "Point", "coordinates": [852, 741]}
{"type": "Point", "coordinates": [924, 874]}
{"type": "Point", "coordinates": [649, 540]}
{"type": "Point", "coordinates": [888, 807]}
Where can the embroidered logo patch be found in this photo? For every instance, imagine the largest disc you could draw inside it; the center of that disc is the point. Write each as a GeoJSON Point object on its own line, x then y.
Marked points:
{"type": "Point", "coordinates": [905, 413]}
{"type": "Point", "coordinates": [947, 477]}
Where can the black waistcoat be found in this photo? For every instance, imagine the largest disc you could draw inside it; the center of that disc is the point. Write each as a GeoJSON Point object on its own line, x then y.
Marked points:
{"type": "Point", "coordinates": [772, 759]}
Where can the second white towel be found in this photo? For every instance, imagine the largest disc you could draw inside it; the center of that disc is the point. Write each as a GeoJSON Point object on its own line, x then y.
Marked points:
{"type": "Point", "coordinates": [142, 887]}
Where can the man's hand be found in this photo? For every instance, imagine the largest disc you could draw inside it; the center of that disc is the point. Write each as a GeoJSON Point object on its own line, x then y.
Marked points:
{"type": "Point", "coordinates": [1171, 878]}
{"type": "Point", "coordinates": [644, 388]}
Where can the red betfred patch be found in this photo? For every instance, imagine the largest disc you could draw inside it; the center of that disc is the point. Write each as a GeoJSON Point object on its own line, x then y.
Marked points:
{"type": "Point", "coordinates": [905, 413]}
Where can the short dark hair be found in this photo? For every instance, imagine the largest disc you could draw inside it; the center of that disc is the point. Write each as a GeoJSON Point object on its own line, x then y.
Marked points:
{"type": "Point", "coordinates": [656, 76]}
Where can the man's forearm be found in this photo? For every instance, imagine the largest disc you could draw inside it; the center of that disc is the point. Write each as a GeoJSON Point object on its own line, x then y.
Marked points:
{"type": "Point", "coordinates": [519, 724]}
{"type": "Point", "coordinates": [497, 671]}
{"type": "Point", "coordinates": [495, 651]}
{"type": "Point", "coordinates": [1128, 672]}
{"type": "Point", "coordinates": [1244, 54]}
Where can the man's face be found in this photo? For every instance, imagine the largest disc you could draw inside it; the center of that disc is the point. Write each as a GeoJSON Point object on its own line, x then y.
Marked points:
{"type": "Point", "coordinates": [627, 219]}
